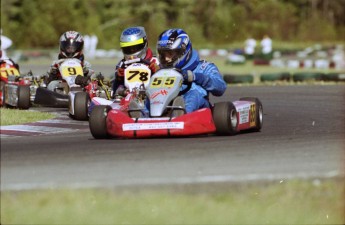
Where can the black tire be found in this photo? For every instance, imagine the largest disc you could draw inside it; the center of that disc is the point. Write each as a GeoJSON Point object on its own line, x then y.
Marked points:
{"type": "Point", "coordinates": [225, 118]}
{"type": "Point", "coordinates": [237, 79]}
{"type": "Point", "coordinates": [81, 105]}
{"type": "Point", "coordinates": [338, 77]}
{"type": "Point", "coordinates": [274, 76]}
{"type": "Point", "coordinates": [97, 122]}
{"type": "Point", "coordinates": [23, 97]}
{"type": "Point", "coordinates": [305, 76]}
{"type": "Point", "coordinates": [2, 90]}
{"type": "Point", "coordinates": [258, 112]}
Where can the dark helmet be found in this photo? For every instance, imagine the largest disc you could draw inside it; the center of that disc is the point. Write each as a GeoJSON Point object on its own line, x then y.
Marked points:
{"type": "Point", "coordinates": [174, 48]}
{"type": "Point", "coordinates": [133, 42]}
{"type": "Point", "coordinates": [71, 44]}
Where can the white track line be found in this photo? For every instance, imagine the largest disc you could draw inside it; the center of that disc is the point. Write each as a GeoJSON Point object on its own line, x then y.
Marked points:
{"type": "Point", "coordinates": [171, 181]}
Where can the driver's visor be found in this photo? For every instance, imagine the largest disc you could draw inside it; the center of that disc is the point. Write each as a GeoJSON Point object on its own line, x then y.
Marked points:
{"type": "Point", "coordinates": [71, 49]}
{"type": "Point", "coordinates": [132, 47]}
{"type": "Point", "coordinates": [167, 56]}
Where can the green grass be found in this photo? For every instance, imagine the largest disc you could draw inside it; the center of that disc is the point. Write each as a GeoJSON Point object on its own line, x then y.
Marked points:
{"type": "Point", "coordinates": [288, 202]}
{"type": "Point", "coordinates": [15, 116]}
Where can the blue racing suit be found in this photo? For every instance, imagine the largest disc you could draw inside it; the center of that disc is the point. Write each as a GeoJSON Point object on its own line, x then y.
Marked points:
{"type": "Point", "coordinates": [207, 79]}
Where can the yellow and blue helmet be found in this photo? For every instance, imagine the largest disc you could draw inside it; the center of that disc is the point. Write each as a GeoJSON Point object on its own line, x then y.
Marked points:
{"type": "Point", "coordinates": [133, 42]}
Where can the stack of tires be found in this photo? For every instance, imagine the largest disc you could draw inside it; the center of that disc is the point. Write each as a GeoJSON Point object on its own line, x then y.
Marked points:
{"type": "Point", "coordinates": [283, 76]}
{"type": "Point", "coordinates": [238, 78]}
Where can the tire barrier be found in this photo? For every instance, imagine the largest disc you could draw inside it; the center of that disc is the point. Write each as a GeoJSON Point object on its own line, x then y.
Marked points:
{"type": "Point", "coordinates": [285, 76]}
{"type": "Point", "coordinates": [307, 76]}
{"type": "Point", "coordinates": [237, 79]}
{"type": "Point", "coordinates": [338, 77]}
{"type": "Point", "coordinates": [275, 76]}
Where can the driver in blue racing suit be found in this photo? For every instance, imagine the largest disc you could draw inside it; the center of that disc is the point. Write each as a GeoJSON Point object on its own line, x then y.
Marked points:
{"type": "Point", "coordinates": [175, 51]}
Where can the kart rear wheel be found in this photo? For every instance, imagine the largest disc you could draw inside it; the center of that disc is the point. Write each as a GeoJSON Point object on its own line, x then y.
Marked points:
{"type": "Point", "coordinates": [2, 94]}
{"type": "Point", "coordinates": [81, 105]}
{"type": "Point", "coordinates": [23, 97]}
{"type": "Point", "coordinates": [225, 118]}
{"type": "Point", "coordinates": [258, 112]}
{"type": "Point", "coordinates": [98, 121]}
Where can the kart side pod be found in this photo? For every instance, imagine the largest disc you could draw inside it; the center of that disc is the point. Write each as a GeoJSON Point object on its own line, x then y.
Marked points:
{"type": "Point", "coordinates": [50, 98]}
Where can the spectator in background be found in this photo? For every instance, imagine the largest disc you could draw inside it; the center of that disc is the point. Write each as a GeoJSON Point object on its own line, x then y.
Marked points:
{"type": "Point", "coordinates": [5, 44]}
{"type": "Point", "coordinates": [87, 45]}
{"type": "Point", "coordinates": [93, 46]}
{"type": "Point", "coordinates": [249, 48]}
{"type": "Point", "coordinates": [266, 45]}
{"type": "Point", "coordinates": [90, 46]}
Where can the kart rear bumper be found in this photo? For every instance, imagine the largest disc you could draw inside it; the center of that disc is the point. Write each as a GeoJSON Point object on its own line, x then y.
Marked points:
{"type": "Point", "coordinates": [119, 124]}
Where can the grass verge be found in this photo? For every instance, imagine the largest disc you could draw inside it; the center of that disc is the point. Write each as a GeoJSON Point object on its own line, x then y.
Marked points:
{"type": "Point", "coordinates": [288, 202]}
{"type": "Point", "coordinates": [15, 116]}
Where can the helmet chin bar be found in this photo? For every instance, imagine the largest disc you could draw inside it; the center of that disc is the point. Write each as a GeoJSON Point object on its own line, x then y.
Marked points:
{"type": "Point", "coordinates": [139, 54]}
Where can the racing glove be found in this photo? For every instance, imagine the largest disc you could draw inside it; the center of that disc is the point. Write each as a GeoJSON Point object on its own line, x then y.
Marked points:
{"type": "Point", "coordinates": [54, 70]}
{"type": "Point", "coordinates": [153, 67]}
{"type": "Point", "coordinates": [120, 72]}
{"type": "Point", "coordinates": [82, 81]}
{"type": "Point", "coordinates": [188, 76]}
{"type": "Point", "coordinates": [99, 76]}
{"type": "Point", "coordinates": [52, 74]}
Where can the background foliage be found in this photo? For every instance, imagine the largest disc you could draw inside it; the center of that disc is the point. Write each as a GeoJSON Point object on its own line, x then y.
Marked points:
{"type": "Point", "coordinates": [210, 23]}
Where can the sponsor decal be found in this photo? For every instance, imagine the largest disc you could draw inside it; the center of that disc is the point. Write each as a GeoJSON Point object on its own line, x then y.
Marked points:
{"type": "Point", "coordinates": [152, 126]}
{"type": "Point", "coordinates": [252, 115]}
{"type": "Point", "coordinates": [204, 65]}
{"type": "Point", "coordinates": [156, 103]}
{"type": "Point", "coordinates": [164, 42]}
{"type": "Point", "coordinates": [162, 92]}
{"type": "Point", "coordinates": [243, 114]}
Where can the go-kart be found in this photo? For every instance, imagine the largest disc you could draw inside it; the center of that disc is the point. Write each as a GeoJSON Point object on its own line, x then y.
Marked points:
{"type": "Point", "coordinates": [79, 101]}
{"type": "Point", "coordinates": [169, 119]}
{"type": "Point", "coordinates": [17, 90]}
{"type": "Point", "coordinates": [67, 93]}
{"type": "Point", "coordinates": [56, 92]}
{"type": "Point", "coordinates": [136, 79]}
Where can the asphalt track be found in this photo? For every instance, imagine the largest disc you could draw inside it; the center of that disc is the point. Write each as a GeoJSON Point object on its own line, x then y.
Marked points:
{"type": "Point", "coordinates": [302, 137]}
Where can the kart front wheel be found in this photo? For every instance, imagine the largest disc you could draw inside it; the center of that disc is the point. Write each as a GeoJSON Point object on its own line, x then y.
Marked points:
{"type": "Point", "coordinates": [81, 105]}
{"type": "Point", "coordinates": [23, 97]}
{"type": "Point", "coordinates": [98, 121]}
{"type": "Point", "coordinates": [225, 118]}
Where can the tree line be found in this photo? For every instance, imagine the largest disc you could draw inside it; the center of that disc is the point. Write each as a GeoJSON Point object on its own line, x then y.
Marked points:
{"type": "Point", "coordinates": [210, 23]}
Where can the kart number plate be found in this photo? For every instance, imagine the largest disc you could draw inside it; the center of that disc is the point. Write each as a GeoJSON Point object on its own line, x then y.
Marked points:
{"type": "Point", "coordinates": [9, 71]}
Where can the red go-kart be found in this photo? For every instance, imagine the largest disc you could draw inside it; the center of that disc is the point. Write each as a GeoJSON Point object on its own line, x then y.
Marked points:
{"type": "Point", "coordinates": [16, 90]}
{"type": "Point", "coordinates": [167, 115]}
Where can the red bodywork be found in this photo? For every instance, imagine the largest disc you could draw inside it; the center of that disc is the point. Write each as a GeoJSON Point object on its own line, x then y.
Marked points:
{"type": "Point", "coordinates": [195, 123]}
{"type": "Point", "coordinates": [92, 88]}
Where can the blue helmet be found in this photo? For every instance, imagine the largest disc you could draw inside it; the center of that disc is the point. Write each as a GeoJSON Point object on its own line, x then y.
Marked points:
{"type": "Point", "coordinates": [174, 48]}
